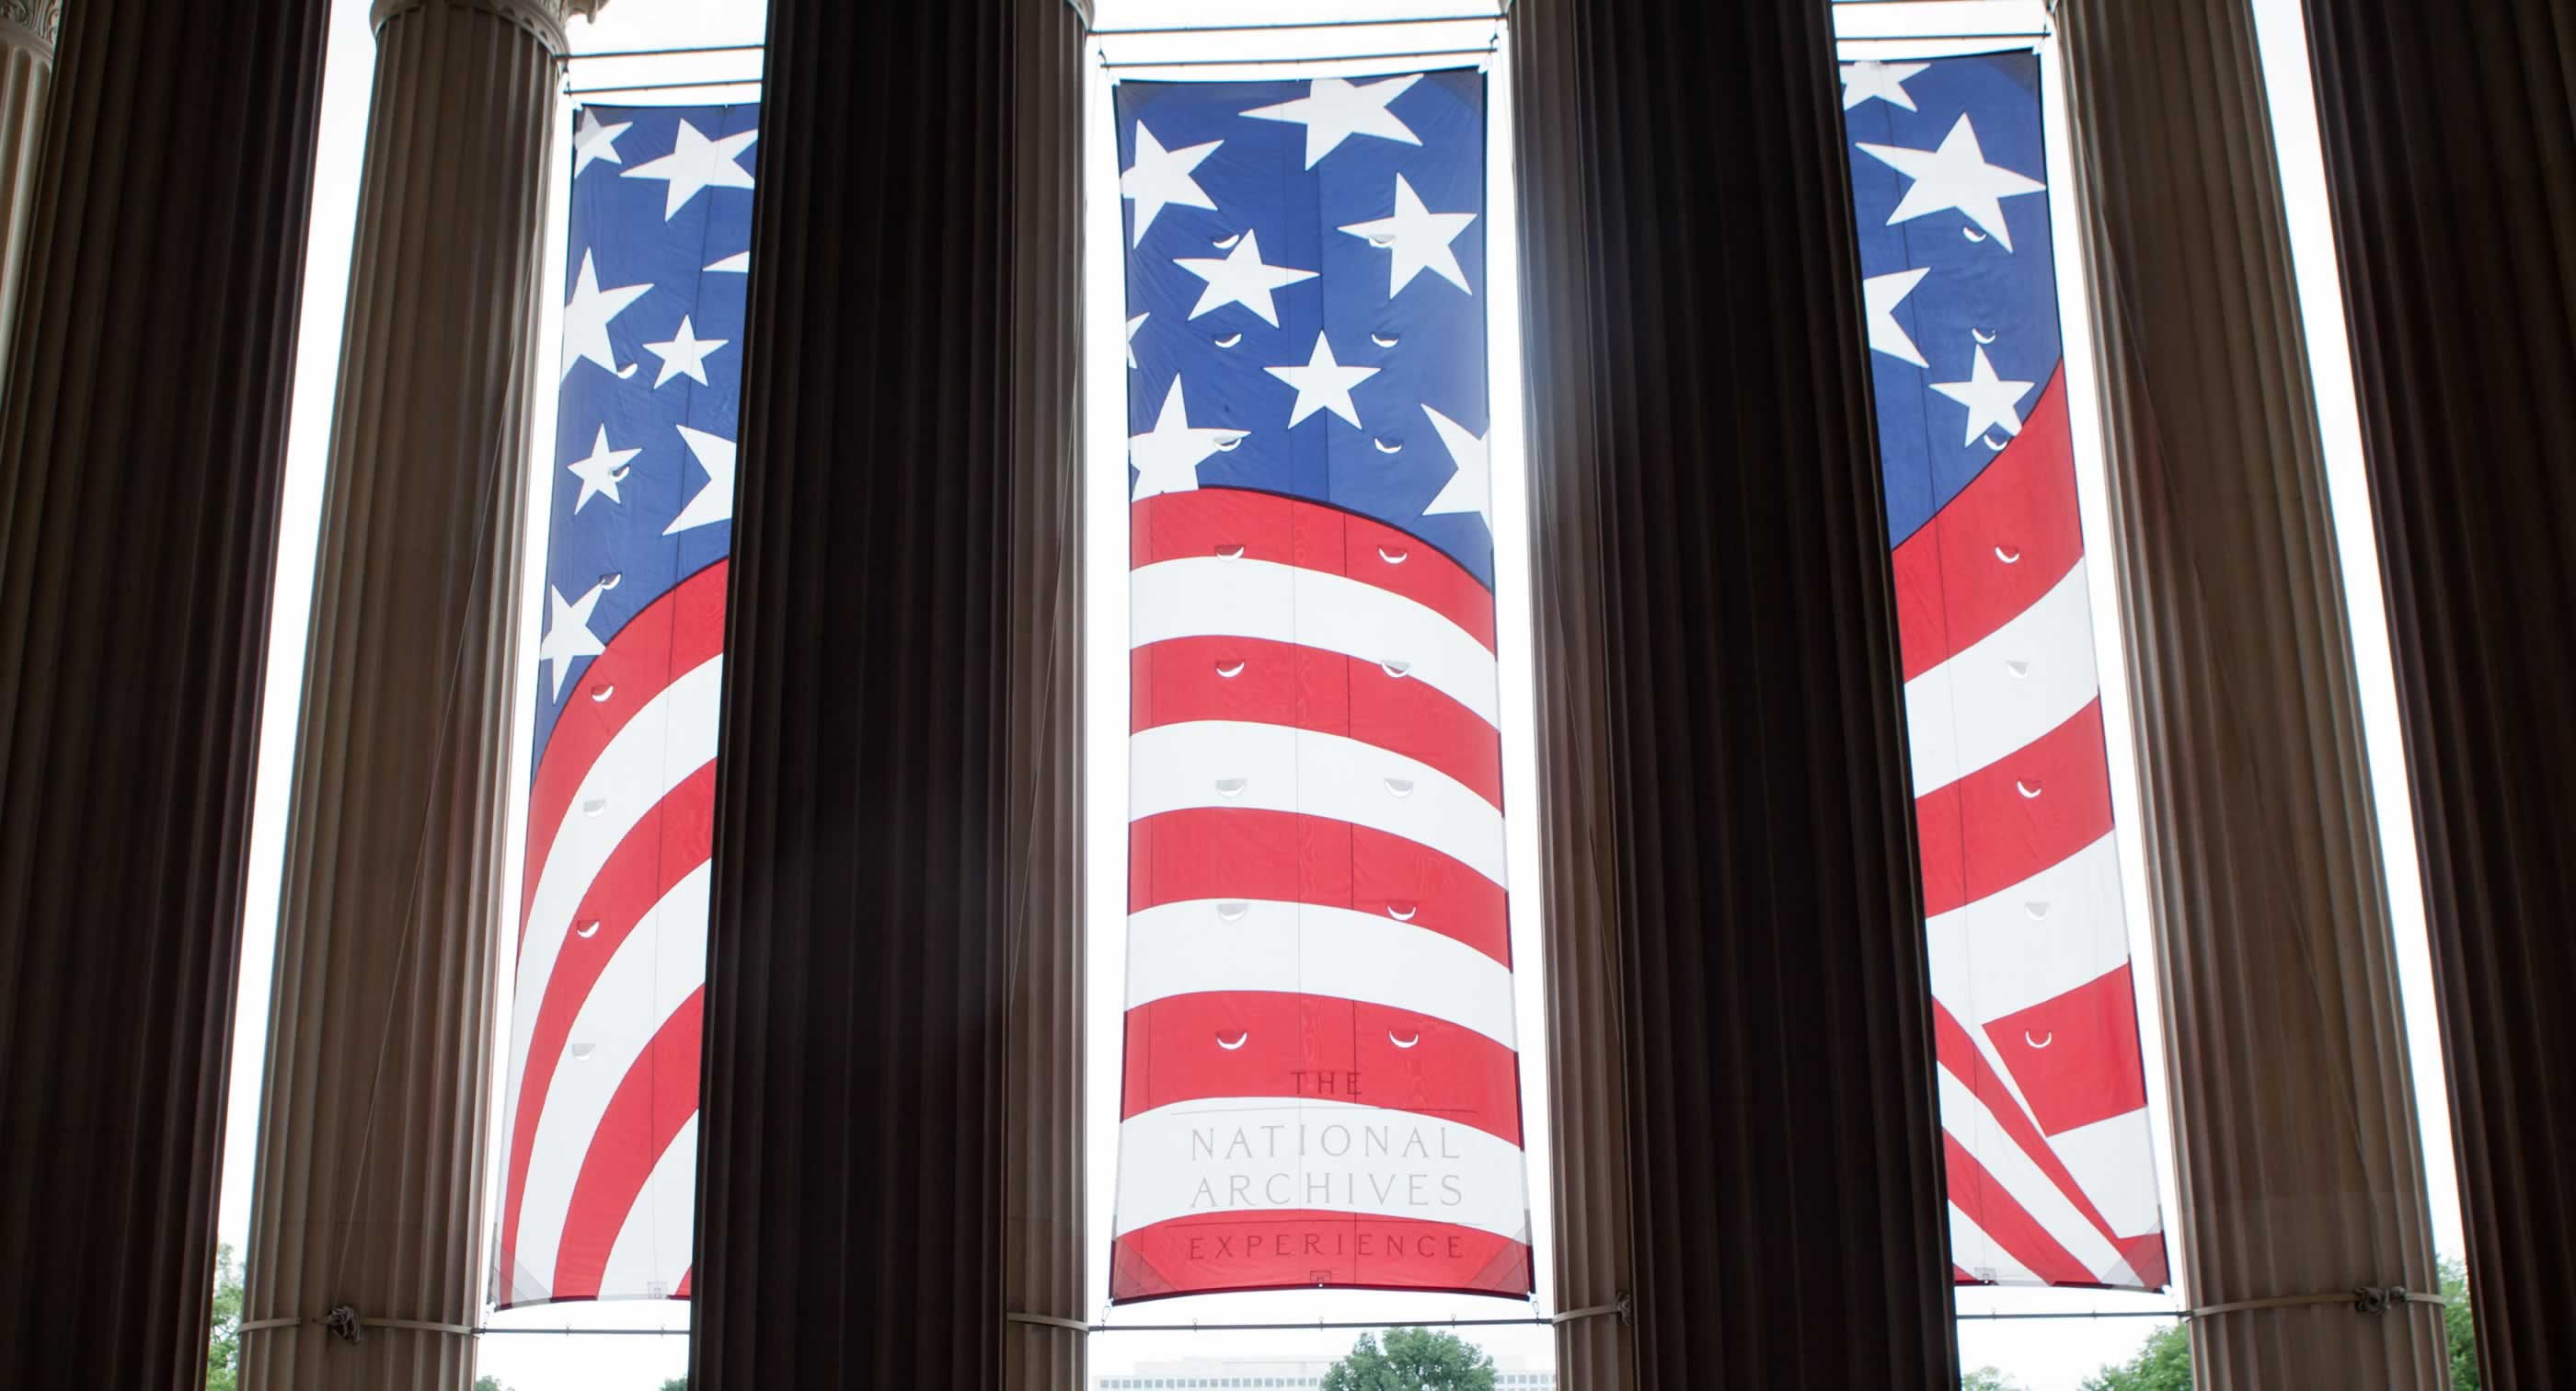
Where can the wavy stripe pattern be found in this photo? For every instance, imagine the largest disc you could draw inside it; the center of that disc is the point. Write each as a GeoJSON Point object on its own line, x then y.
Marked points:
{"type": "Point", "coordinates": [2051, 1178]}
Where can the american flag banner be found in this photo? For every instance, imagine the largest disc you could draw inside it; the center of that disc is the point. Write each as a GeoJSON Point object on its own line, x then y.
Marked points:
{"type": "Point", "coordinates": [1321, 1084]}
{"type": "Point", "coordinates": [2052, 1173]}
{"type": "Point", "coordinates": [598, 1191]}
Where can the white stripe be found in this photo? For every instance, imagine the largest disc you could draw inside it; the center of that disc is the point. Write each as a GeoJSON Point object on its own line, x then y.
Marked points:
{"type": "Point", "coordinates": [652, 1250]}
{"type": "Point", "coordinates": [1246, 1157]}
{"type": "Point", "coordinates": [1982, 1256]}
{"type": "Point", "coordinates": [1995, 1065]}
{"type": "Point", "coordinates": [1204, 596]}
{"type": "Point", "coordinates": [671, 737]}
{"type": "Point", "coordinates": [653, 970]}
{"type": "Point", "coordinates": [2005, 690]}
{"type": "Point", "coordinates": [1268, 767]}
{"type": "Point", "coordinates": [1300, 948]}
{"type": "Point", "coordinates": [1965, 1117]}
{"type": "Point", "coordinates": [2059, 929]}
{"type": "Point", "coordinates": [2112, 1161]}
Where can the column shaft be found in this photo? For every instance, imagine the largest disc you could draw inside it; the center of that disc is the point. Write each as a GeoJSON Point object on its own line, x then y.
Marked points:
{"type": "Point", "coordinates": [373, 1116]}
{"type": "Point", "coordinates": [2294, 1123]}
{"type": "Point", "coordinates": [1045, 1261]}
{"type": "Point", "coordinates": [26, 89]}
{"type": "Point", "coordinates": [1731, 883]}
{"type": "Point", "coordinates": [140, 457]}
{"type": "Point", "coordinates": [907, 422]}
{"type": "Point", "coordinates": [1595, 1262]}
{"type": "Point", "coordinates": [2460, 283]}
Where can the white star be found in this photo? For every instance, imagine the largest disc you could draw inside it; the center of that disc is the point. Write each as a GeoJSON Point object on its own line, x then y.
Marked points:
{"type": "Point", "coordinates": [1881, 294]}
{"type": "Point", "coordinates": [1333, 110]}
{"type": "Point", "coordinates": [696, 163]}
{"type": "Point", "coordinates": [1990, 400]}
{"type": "Point", "coordinates": [585, 320]}
{"type": "Point", "coordinates": [714, 502]}
{"type": "Point", "coordinates": [1323, 384]}
{"type": "Point", "coordinates": [1241, 279]}
{"type": "Point", "coordinates": [738, 263]}
{"type": "Point", "coordinates": [1955, 176]}
{"type": "Point", "coordinates": [568, 637]}
{"type": "Point", "coordinates": [685, 355]}
{"type": "Point", "coordinates": [1419, 239]}
{"type": "Point", "coordinates": [601, 472]}
{"type": "Point", "coordinates": [1161, 177]}
{"type": "Point", "coordinates": [1471, 488]}
{"type": "Point", "coordinates": [1167, 457]}
{"type": "Point", "coordinates": [595, 141]}
{"type": "Point", "coordinates": [1885, 81]}
{"type": "Point", "coordinates": [1133, 325]}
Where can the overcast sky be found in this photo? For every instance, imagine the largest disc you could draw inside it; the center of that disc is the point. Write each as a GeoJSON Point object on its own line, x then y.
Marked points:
{"type": "Point", "coordinates": [2048, 1356]}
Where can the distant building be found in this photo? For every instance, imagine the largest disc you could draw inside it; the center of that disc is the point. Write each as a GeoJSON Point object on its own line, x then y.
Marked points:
{"type": "Point", "coordinates": [1281, 1373]}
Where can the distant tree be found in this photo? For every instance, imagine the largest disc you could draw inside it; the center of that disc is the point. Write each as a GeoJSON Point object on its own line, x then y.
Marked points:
{"type": "Point", "coordinates": [2164, 1364]}
{"type": "Point", "coordinates": [2460, 1323]}
{"type": "Point", "coordinates": [223, 1341]}
{"type": "Point", "coordinates": [1989, 1379]}
{"type": "Point", "coordinates": [676, 1384]}
{"type": "Point", "coordinates": [489, 1382]}
{"type": "Point", "coordinates": [1413, 1359]}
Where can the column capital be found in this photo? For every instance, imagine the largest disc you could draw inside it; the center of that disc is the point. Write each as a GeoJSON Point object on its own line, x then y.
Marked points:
{"type": "Point", "coordinates": [543, 18]}
{"type": "Point", "coordinates": [34, 25]}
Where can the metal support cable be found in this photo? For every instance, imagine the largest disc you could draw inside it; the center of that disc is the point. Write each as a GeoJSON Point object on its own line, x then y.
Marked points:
{"type": "Point", "coordinates": [2365, 1300]}
{"type": "Point", "coordinates": [1485, 52]}
{"type": "Point", "coordinates": [665, 52]}
{"type": "Point", "coordinates": [752, 81]}
{"type": "Point", "coordinates": [1146, 31]}
{"type": "Point", "coordinates": [1945, 38]}
{"type": "Point", "coordinates": [1621, 1309]}
{"type": "Point", "coordinates": [1306, 26]}
{"type": "Point", "coordinates": [349, 1326]}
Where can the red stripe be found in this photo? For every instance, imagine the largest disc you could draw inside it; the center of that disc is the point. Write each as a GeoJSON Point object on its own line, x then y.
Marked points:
{"type": "Point", "coordinates": [681, 1290]}
{"type": "Point", "coordinates": [1235, 852]}
{"type": "Point", "coordinates": [673, 636]}
{"type": "Point", "coordinates": [1223, 1252]}
{"type": "Point", "coordinates": [671, 840]}
{"type": "Point", "coordinates": [2021, 1236]}
{"type": "Point", "coordinates": [1952, 586]}
{"type": "Point", "coordinates": [1318, 1046]}
{"type": "Point", "coordinates": [1980, 835]}
{"type": "Point", "coordinates": [2075, 1054]}
{"type": "Point", "coordinates": [1281, 683]}
{"type": "Point", "coordinates": [1310, 536]}
{"type": "Point", "coordinates": [1958, 1054]}
{"type": "Point", "coordinates": [656, 1097]}
{"type": "Point", "coordinates": [2145, 1254]}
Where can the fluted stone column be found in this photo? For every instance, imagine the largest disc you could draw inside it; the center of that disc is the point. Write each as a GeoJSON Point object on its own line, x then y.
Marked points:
{"type": "Point", "coordinates": [1588, 1119]}
{"type": "Point", "coordinates": [140, 457]}
{"type": "Point", "coordinates": [373, 1114]}
{"type": "Point", "coordinates": [2462, 303]}
{"type": "Point", "coordinates": [1045, 1262]}
{"type": "Point", "coordinates": [28, 32]}
{"type": "Point", "coordinates": [1740, 1015]}
{"type": "Point", "coordinates": [2294, 1118]}
{"type": "Point", "coordinates": [886, 954]}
